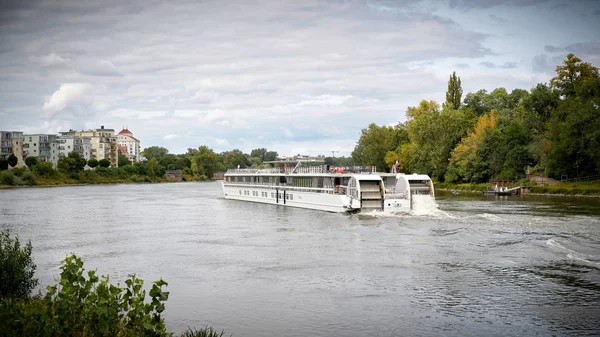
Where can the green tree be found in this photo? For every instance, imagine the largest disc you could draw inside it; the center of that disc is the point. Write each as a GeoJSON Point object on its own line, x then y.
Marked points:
{"type": "Point", "coordinates": [3, 164]}
{"type": "Point", "coordinates": [270, 156]}
{"type": "Point", "coordinates": [16, 267]}
{"type": "Point", "coordinates": [43, 169]}
{"type": "Point", "coordinates": [13, 160]}
{"type": "Point", "coordinates": [154, 169]}
{"type": "Point", "coordinates": [433, 135]}
{"type": "Point", "coordinates": [258, 153]}
{"type": "Point", "coordinates": [454, 93]}
{"type": "Point", "coordinates": [123, 160]}
{"type": "Point", "coordinates": [375, 142]}
{"type": "Point", "coordinates": [235, 158]}
{"type": "Point", "coordinates": [31, 162]}
{"type": "Point", "coordinates": [93, 162]}
{"type": "Point", "coordinates": [71, 163]}
{"type": "Point", "coordinates": [104, 162]}
{"type": "Point", "coordinates": [154, 152]}
{"type": "Point", "coordinates": [204, 162]}
{"type": "Point", "coordinates": [477, 102]}
{"type": "Point", "coordinates": [572, 72]}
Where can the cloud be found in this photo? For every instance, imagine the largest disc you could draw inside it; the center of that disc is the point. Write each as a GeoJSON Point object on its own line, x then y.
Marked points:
{"type": "Point", "coordinates": [484, 4]}
{"type": "Point", "coordinates": [68, 93]}
{"type": "Point", "coordinates": [551, 49]}
{"type": "Point", "coordinates": [505, 65]}
{"type": "Point", "coordinates": [169, 137]}
{"type": "Point", "coordinates": [279, 74]}
{"type": "Point", "coordinates": [53, 60]}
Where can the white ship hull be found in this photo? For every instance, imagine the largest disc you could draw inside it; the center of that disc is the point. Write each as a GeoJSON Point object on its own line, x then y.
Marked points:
{"type": "Point", "coordinates": [310, 200]}
{"type": "Point", "coordinates": [319, 188]}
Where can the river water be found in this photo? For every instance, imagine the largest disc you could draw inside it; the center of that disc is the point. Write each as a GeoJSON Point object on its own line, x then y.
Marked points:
{"type": "Point", "coordinates": [507, 266]}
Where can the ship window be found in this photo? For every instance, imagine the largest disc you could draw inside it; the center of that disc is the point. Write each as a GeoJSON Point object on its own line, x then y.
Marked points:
{"type": "Point", "coordinates": [291, 196]}
{"type": "Point", "coordinates": [272, 195]}
{"type": "Point", "coordinates": [240, 192]}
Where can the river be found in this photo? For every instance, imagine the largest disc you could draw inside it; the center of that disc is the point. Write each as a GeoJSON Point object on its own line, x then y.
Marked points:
{"type": "Point", "coordinates": [494, 266]}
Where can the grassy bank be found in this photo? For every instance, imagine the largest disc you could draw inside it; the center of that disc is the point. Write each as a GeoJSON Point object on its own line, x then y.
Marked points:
{"type": "Point", "coordinates": [24, 177]}
{"type": "Point", "coordinates": [582, 188]}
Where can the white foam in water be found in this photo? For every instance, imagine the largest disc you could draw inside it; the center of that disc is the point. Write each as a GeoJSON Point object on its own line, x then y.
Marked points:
{"type": "Point", "coordinates": [571, 254]}
{"type": "Point", "coordinates": [424, 204]}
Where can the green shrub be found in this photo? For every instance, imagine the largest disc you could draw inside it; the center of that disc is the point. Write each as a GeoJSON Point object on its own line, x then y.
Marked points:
{"type": "Point", "coordinates": [19, 171]}
{"type": "Point", "coordinates": [16, 267]}
{"type": "Point", "coordinates": [28, 178]}
{"type": "Point", "coordinates": [43, 169]}
{"type": "Point", "coordinates": [87, 306]}
{"type": "Point", "coordinates": [206, 332]}
{"type": "Point", "coordinates": [7, 178]}
{"type": "Point", "coordinates": [31, 161]}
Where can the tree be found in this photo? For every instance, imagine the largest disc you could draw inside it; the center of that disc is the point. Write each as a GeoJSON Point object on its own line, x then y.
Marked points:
{"type": "Point", "coordinates": [236, 158]}
{"type": "Point", "coordinates": [204, 162]}
{"type": "Point", "coordinates": [43, 169]}
{"type": "Point", "coordinates": [154, 152]}
{"type": "Point", "coordinates": [154, 169]}
{"type": "Point", "coordinates": [123, 160]}
{"type": "Point", "coordinates": [71, 163]}
{"type": "Point", "coordinates": [93, 162]}
{"type": "Point", "coordinates": [16, 268]}
{"type": "Point", "coordinates": [454, 93]}
{"type": "Point", "coordinates": [476, 102]}
{"type": "Point", "coordinates": [572, 72]}
{"type": "Point", "coordinates": [31, 162]}
{"type": "Point", "coordinates": [104, 162]}
{"type": "Point", "coordinates": [271, 156]}
{"type": "Point", "coordinates": [464, 155]}
{"type": "Point", "coordinates": [13, 160]}
{"type": "Point", "coordinates": [375, 142]}
{"type": "Point", "coordinates": [3, 164]}
{"type": "Point", "coordinates": [258, 153]}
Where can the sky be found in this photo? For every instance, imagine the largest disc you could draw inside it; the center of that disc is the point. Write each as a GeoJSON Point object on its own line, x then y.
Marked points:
{"type": "Point", "coordinates": [296, 77]}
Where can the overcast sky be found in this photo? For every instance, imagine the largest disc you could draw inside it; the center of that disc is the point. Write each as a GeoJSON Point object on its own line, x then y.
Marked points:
{"type": "Point", "coordinates": [292, 76]}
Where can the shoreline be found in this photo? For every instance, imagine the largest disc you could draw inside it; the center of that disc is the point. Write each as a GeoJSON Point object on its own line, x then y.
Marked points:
{"type": "Point", "coordinates": [9, 187]}
{"type": "Point", "coordinates": [590, 196]}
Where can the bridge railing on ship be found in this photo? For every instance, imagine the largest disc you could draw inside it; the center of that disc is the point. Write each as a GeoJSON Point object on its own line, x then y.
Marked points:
{"type": "Point", "coordinates": [306, 170]}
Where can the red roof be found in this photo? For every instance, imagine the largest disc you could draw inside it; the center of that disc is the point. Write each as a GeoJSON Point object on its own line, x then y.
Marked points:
{"type": "Point", "coordinates": [126, 132]}
{"type": "Point", "coordinates": [123, 149]}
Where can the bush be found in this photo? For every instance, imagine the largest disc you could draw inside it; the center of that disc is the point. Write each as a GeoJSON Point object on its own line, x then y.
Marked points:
{"type": "Point", "coordinates": [16, 268]}
{"type": "Point", "coordinates": [19, 171]}
{"type": "Point", "coordinates": [28, 178]}
{"type": "Point", "coordinates": [206, 332]}
{"type": "Point", "coordinates": [7, 178]}
{"type": "Point", "coordinates": [31, 161]}
{"type": "Point", "coordinates": [104, 162]}
{"type": "Point", "coordinates": [43, 169]}
{"type": "Point", "coordinates": [93, 162]}
{"type": "Point", "coordinates": [80, 306]}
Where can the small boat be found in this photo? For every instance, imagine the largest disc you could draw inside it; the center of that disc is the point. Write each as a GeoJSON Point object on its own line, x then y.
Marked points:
{"type": "Point", "coordinates": [327, 188]}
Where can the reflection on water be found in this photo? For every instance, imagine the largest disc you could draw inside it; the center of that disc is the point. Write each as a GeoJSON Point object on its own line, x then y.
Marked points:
{"type": "Point", "coordinates": [477, 265]}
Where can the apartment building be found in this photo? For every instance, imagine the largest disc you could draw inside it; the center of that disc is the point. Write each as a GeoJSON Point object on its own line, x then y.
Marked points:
{"type": "Point", "coordinates": [11, 142]}
{"type": "Point", "coordinates": [69, 142]}
{"type": "Point", "coordinates": [126, 139]}
{"type": "Point", "coordinates": [103, 144]}
{"type": "Point", "coordinates": [43, 146]}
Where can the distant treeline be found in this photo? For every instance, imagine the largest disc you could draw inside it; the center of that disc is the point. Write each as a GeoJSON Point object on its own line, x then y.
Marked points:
{"type": "Point", "coordinates": [553, 128]}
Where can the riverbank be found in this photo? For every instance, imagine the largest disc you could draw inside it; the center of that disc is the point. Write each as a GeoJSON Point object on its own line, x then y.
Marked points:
{"type": "Point", "coordinates": [19, 178]}
{"type": "Point", "coordinates": [580, 189]}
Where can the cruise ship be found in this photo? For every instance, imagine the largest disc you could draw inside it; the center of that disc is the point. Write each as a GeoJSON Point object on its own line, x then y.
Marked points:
{"type": "Point", "coordinates": [327, 188]}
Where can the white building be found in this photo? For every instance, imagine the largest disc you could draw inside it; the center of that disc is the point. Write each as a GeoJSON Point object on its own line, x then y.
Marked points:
{"type": "Point", "coordinates": [69, 142]}
{"type": "Point", "coordinates": [44, 147]}
{"type": "Point", "coordinates": [126, 139]}
{"type": "Point", "coordinates": [103, 144]}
